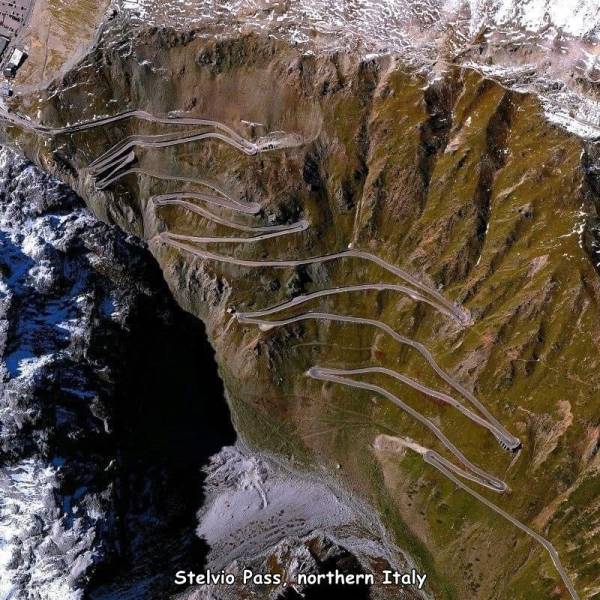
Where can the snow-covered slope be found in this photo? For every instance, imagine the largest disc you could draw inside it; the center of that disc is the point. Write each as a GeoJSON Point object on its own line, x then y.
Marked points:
{"type": "Point", "coordinates": [82, 468]}
{"type": "Point", "coordinates": [547, 46]}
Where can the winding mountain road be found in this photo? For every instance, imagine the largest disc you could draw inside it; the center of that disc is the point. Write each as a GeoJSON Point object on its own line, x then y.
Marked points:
{"type": "Point", "coordinates": [128, 143]}
{"type": "Point", "coordinates": [497, 433]}
{"type": "Point", "coordinates": [117, 162]}
{"type": "Point", "coordinates": [294, 228]}
{"type": "Point", "coordinates": [460, 313]}
{"type": "Point", "coordinates": [445, 467]}
{"type": "Point", "coordinates": [476, 474]}
{"type": "Point", "coordinates": [434, 459]}
{"type": "Point", "coordinates": [380, 287]}
{"type": "Point", "coordinates": [112, 173]}
{"type": "Point", "coordinates": [504, 436]}
{"type": "Point", "coordinates": [222, 199]}
{"type": "Point", "coordinates": [177, 199]}
{"type": "Point", "coordinates": [142, 115]}
{"type": "Point", "coordinates": [113, 159]}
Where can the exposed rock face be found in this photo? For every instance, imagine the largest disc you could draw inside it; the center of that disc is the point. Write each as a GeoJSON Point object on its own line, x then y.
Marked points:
{"type": "Point", "coordinates": [258, 517]}
{"type": "Point", "coordinates": [103, 406]}
{"type": "Point", "coordinates": [110, 406]}
{"type": "Point", "coordinates": [460, 181]}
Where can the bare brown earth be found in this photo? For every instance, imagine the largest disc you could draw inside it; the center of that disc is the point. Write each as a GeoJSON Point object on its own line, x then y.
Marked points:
{"type": "Point", "coordinates": [58, 34]}
{"type": "Point", "coordinates": [462, 182]}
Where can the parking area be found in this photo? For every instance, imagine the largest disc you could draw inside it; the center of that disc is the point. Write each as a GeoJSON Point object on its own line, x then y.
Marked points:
{"type": "Point", "coordinates": [13, 16]}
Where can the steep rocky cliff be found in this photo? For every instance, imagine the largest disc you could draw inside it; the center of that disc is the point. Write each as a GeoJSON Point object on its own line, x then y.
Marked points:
{"type": "Point", "coordinates": [459, 180]}
{"type": "Point", "coordinates": [91, 346]}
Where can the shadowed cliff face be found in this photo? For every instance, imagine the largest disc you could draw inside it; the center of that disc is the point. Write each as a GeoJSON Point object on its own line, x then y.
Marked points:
{"type": "Point", "coordinates": [110, 403]}
{"type": "Point", "coordinates": [461, 182]}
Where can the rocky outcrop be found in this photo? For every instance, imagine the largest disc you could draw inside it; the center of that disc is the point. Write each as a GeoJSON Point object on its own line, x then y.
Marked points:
{"type": "Point", "coordinates": [260, 517]}
{"type": "Point", "coordinates": [110, 408]}
{"type": "Point", "coordinates": [109, 398]}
